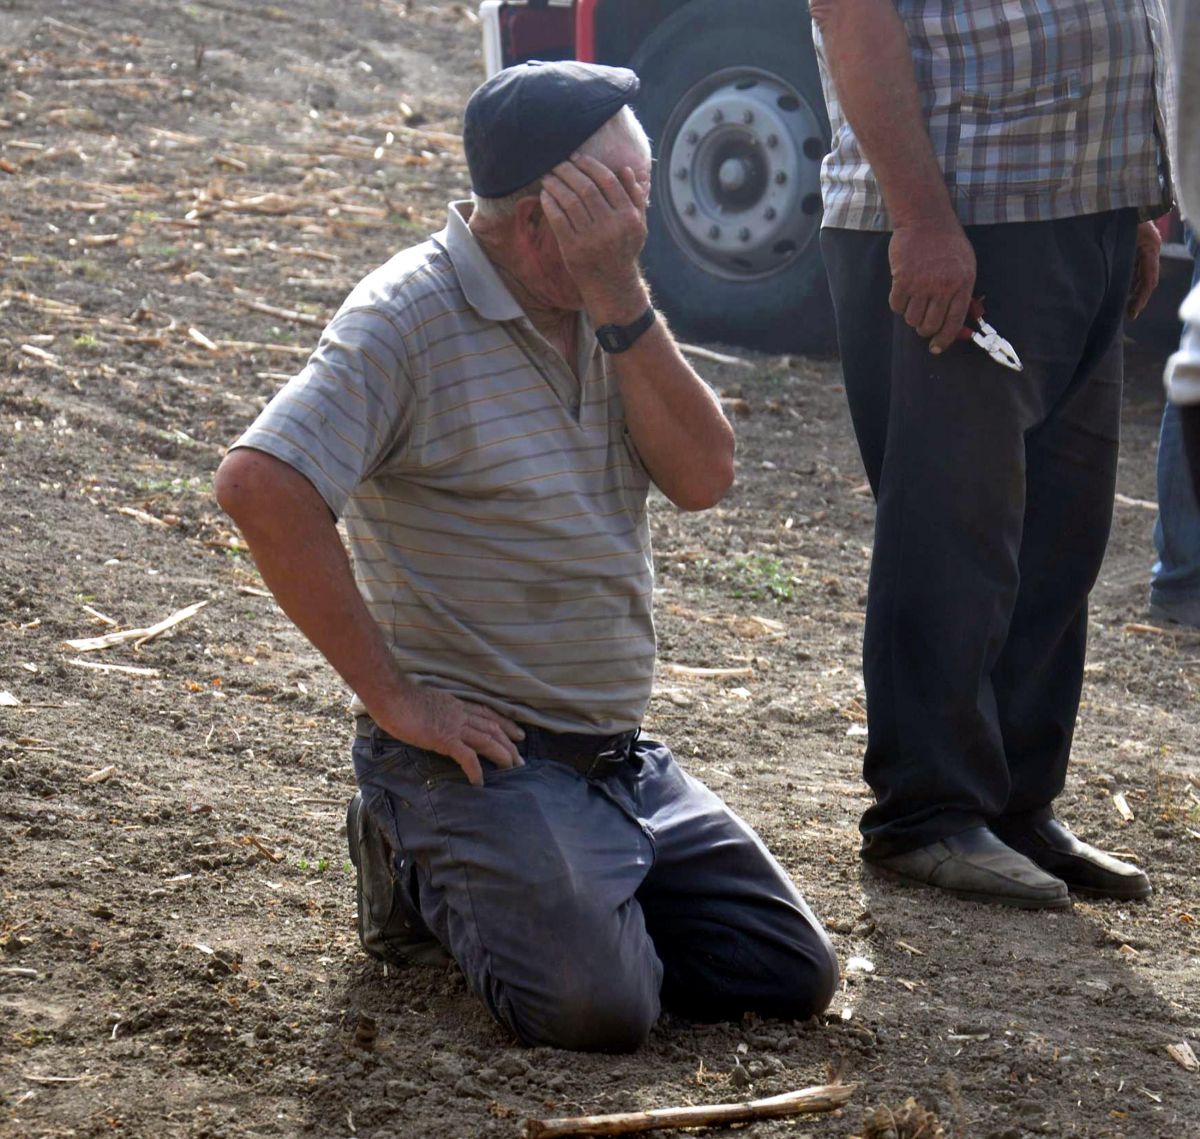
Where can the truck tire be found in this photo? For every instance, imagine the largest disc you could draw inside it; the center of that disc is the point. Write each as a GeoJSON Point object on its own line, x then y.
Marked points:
{"type": "Point", "coordinates": [731, 98]}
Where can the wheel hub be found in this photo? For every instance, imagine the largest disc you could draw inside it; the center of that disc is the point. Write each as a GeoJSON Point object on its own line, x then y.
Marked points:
{"type": "Point", "coordinates": [743, 187]}
{"type": "Point", "coordinates": [733, 175]}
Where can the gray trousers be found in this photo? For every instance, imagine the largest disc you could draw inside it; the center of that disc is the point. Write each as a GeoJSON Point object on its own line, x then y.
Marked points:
{"type": "Point", "coordinates": [577, 907]}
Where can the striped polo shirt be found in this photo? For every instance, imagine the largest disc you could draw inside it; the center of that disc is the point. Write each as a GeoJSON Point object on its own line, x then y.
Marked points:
{"type": "Point", "coordinates": [494, 503]}
{"type": "Point", "coordinates": [1037, 109]}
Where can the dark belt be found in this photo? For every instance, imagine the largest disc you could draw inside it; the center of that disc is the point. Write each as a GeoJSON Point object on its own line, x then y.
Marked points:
{"type": "Point", "coordinates": [590, 755]}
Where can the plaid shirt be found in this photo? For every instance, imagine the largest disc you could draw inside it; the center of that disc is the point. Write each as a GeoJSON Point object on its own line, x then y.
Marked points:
{"type": "Point", "coordinates": [1037, 109]}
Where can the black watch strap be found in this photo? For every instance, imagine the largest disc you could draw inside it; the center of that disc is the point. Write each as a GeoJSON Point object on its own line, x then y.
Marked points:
{"type": "Point", "coordinates": [621, 337]}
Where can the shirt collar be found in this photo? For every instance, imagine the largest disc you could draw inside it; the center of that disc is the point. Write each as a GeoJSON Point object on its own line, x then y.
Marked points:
{"type": "Point", "coordinates": [481, 284]}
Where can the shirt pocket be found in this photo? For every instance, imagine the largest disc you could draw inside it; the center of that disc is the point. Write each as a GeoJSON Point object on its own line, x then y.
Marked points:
{"type": "Point", "coordinates": [1018, 142]}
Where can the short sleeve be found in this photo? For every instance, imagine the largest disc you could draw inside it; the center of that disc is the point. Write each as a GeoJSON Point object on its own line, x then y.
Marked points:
{"type": "Point", "coordinates": [349, 411]}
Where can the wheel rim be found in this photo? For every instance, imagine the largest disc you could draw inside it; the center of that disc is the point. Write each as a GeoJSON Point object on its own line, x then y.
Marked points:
{"type": "Point", "coordinates": [740, 173]}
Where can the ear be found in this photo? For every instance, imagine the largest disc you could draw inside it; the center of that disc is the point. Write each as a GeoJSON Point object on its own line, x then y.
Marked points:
{"type": "Point", "coordinates": [529, 217]}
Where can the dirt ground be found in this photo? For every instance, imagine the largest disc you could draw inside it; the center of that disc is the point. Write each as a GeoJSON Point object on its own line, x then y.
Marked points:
{"type": "Point", "coordinates": [186, 190]}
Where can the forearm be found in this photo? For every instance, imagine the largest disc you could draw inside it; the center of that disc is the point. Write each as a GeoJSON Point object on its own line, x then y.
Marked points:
{"type": "Point", "coordinates": [869, 58]}
{"type": "Point", "coordinates": [676, 422]}
{"type": "Point", "coordinates": [674, 419]}
{"type": "Point", "coordinates": [296, 546]}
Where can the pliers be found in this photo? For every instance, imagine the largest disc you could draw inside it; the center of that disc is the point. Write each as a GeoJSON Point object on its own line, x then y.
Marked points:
{"type": "Point", "coordinates": [988, 338]}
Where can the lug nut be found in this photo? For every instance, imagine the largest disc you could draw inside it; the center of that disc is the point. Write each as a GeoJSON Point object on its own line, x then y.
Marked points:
{"type": "Point", "coordinates": [690, 209]}
{"type": "Point", "coordinates": [772, 141]}
{"type": "Point", "coordinates": [681, 172]}
{"type": "Point", "coordinates": [718, 116]}
{"type": "Point", "coordinates": [691, 138]}
{"type": "Point", "coordinates": [747, 117]}
{"type": "Point", "coordinates": [770, 213]}
{"type": "Point", "coordinates": [744, 233]}
{"type": "Point", "coordinates": [780, 177]}
{"type": "Point", "coordinates": [714, 231]}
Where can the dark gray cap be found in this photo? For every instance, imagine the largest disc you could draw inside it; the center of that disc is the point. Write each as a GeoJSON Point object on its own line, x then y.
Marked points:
{"type": "Point", "coordinates": [527, 119]}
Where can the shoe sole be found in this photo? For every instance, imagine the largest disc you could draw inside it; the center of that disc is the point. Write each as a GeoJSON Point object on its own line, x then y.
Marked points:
{"type": "Point", "coordinates": [352, 809]}
{"type": "Point", "coordinates": [426, 954]}
{"type": "Point", "coordinates": [352, 812]}
{"type": "Point", "coordinates": [1109, 895]}
{"type": "Point", "coordinates": [982, 897]}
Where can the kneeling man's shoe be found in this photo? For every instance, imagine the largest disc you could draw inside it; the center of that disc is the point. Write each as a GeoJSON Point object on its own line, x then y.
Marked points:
{"type": "Point", "coordinates": [390, 926]}
{"type": "Point", "coordinates": [1086, 870]}
{"type": "Point", "coordinates": [975, 864]}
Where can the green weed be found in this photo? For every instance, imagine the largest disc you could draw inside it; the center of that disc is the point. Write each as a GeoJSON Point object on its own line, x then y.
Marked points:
{"type": "Point", "coordinates": [759, 576]}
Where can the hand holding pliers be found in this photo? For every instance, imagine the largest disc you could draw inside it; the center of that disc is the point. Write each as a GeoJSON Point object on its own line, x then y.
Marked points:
{"type": "Point", "coordinates": [983, 334]}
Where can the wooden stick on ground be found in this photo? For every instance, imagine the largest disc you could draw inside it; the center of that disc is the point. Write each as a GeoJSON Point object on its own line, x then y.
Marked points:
{"type": "Point", "coordinates": [1140, 503]}
{"type": "Point", "coordinates": [138, 636]}
{"type": "Point", "coordinates": [825, 1097]}
{"type": "Point", "coordinates": [124, 669]}
{"type": "Point", "coordinates": [283, 313]}
{"type": "Point", "coordinates": [698, 671]}
{"type": "Point", "coordinates": [700, 353]}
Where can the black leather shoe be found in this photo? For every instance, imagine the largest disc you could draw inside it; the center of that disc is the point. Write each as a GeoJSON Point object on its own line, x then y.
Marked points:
{"type": "Point", "coordinates": [1085, 870]}
{"type": "Point", "coordinates": [390, 926]}
{"type": "Point", "coordinates": [975, 864]}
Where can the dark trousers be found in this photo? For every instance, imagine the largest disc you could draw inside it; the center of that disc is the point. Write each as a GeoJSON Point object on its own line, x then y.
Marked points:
{"type": "Point", "coordinates": [994, 495]}
{"type": "Point", "coordinates": [577, 907]}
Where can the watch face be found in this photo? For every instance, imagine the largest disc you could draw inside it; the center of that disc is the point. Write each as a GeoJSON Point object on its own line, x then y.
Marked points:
{"type": "Point", "coordinates": [610, 337]}
{"type": "Point", "coordinates": [619, 337]}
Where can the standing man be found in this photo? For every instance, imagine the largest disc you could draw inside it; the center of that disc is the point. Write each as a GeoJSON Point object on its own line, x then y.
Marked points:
{"type": "Point", "coordinates": [486, 412]}
{"type": "Point", "coordinates": [1005, 151]}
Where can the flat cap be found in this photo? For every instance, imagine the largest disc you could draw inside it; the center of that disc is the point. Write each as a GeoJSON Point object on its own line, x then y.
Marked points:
{"type": "Point", "coordinates": [527, 119]}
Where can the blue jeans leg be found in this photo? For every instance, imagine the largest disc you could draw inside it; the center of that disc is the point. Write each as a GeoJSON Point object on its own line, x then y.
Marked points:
{"type": "Point", "coordinates": [732, 931]}
{"type": "Point", "coordinates": [1175, 579]}
{"type": "Point", "coordinates": [571, 904]}
{"type": "Point", "coordinates": [529, 883]}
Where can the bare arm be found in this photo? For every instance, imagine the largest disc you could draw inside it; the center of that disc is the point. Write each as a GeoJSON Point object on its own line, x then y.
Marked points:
{"type": "Point", "coordinates": [297, 549]}
{"type": "Point", "coordinates": [933, 264]}
{"type": "Point", "coordinates": [674, 418]}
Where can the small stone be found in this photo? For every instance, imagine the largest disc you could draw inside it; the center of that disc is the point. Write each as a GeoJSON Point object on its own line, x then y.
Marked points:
{"type": "Point", "coordinates": [321, 96]}
{"type": "Point", "coordinates": [511, 1066]}
{"type": "Point", "coordinates": [446, 1070]}
{"type": "Point", "coordinates": [466, 1086]}
{"type": "Point", "coordinates": [780, 712]}
{"type": "Point", "coordinates": [1028, 1109]}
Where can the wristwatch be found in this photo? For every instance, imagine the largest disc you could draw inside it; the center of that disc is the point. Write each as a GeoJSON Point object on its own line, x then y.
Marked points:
{"type": "Point", "coordinates": [620, 337]}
